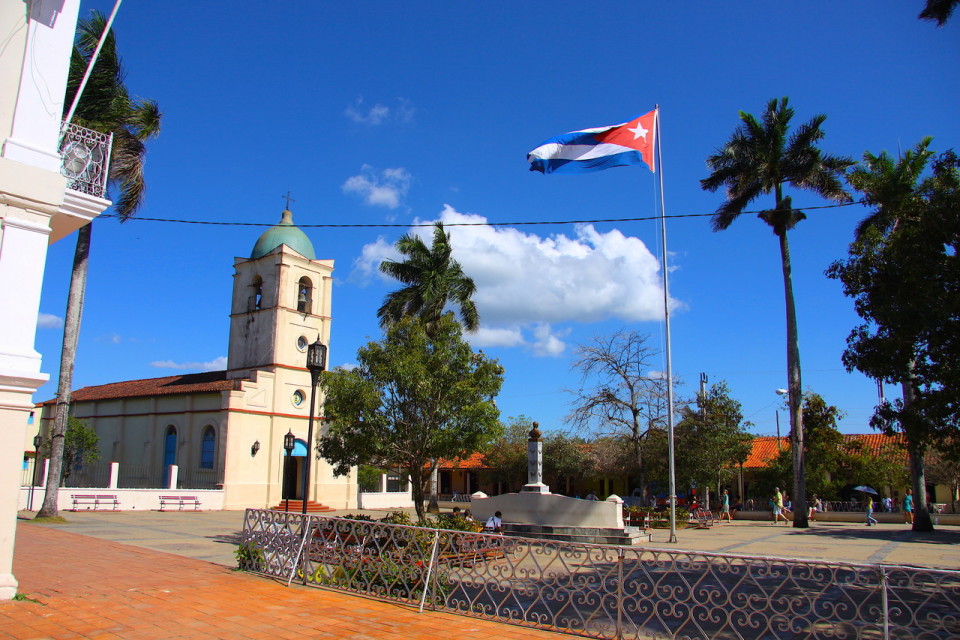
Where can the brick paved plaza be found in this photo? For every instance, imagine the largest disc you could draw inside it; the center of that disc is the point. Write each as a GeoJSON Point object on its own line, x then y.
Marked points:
{"type": "Point", "coordinates": [168, 575]}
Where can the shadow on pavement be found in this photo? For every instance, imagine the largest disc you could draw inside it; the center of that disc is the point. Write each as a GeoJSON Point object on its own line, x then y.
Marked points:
{"type": "Point", "coordinates": [938, 536]}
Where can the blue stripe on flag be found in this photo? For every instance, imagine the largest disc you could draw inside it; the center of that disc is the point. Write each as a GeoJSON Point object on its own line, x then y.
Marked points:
{"type": "Point", "coordinates": [625, 159]}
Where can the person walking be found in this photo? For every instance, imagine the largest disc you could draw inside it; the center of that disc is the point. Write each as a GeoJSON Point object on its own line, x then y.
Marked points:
{"type": "Point", "coordinates": [725, 506]}
{"type": "Point", "coordinates": [908, 507]}
{"type": "Point", "coordinates": [777, 503]}
{"type": "Point", "coordinates": [870, 519]}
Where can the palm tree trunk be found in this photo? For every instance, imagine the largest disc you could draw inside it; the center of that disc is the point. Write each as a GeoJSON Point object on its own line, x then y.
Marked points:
{"type": "Point", "coordinates": [68, 356]}
{"type": "Point", "coordinates": [915, 455]}
{"type": "Point", "coordinates": [795, 388]}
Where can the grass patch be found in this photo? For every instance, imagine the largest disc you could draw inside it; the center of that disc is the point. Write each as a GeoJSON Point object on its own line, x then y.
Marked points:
{"type": "Point", "coordinates": [50, 520]}
{"type": "Point", "coordinates": [22, 597]}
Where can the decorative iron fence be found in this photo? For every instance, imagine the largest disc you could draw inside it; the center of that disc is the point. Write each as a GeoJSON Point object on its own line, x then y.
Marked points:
{"type": "Point", "coordinates": [85, 159]}
{"type": "Point", "coordinates": [604, 591]}
{"type": "Point", "coordinates": [88, 475]}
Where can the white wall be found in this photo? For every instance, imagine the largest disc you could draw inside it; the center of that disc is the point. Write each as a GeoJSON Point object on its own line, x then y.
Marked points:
{"type": "Point", "coordinates": [130, 499]}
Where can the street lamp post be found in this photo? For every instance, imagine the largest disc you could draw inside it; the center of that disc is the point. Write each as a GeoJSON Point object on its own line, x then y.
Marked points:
{"type": "Point", "coordinates": [288, 443]}
{"type": "Point", "coordinates": [37, 441]}
{"type": "Point", "coordinates": [316, 362]}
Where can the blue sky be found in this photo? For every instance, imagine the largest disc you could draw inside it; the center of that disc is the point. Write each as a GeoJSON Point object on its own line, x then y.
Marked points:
{"type": "Point", "coordinates": [376, 113]}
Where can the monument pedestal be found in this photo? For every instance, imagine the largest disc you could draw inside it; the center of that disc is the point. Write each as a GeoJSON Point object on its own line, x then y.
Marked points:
{"type": "Point", "coordinates": [535, 487]}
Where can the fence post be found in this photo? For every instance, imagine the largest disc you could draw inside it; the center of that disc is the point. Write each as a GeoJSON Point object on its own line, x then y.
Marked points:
{"type": "Point", "coordinates": [174, 473]}
{"type": "Point", "coordinates": [114, 474]}
{"type": "Point", "coordinates": [884, 603]}
{"type": "Point", "coordinates": [46, 471]}
{"type": "Point", "coordinates": [433, 559]}
{"type": "Point", "coordinates": [620, 593]}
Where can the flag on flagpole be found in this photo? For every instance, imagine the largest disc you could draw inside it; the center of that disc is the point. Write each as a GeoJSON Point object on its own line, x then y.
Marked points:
{"type": "Point", "coordinates": [597, 149]}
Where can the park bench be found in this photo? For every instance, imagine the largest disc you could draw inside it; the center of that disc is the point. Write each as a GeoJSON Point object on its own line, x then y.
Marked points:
{"type": "Point", "coordinates": [703, 518]}
{"type": "Point", "coordinates": [180, 501]}
{"type": "Point", "coordinates": [94, 500]}
{"type": "Point", "coordinates": [469, 551]}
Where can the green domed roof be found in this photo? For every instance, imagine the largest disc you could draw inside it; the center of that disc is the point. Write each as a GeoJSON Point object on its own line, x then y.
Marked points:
{"type": "Point", "coordinates": [284, 233]}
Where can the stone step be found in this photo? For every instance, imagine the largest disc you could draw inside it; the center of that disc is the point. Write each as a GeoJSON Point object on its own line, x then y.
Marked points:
{"type": "Point", "coordinates": [628, 536]}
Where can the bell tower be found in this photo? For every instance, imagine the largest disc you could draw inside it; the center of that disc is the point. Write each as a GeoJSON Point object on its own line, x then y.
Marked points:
{"type": "Point", "coordinates": [281, 302]}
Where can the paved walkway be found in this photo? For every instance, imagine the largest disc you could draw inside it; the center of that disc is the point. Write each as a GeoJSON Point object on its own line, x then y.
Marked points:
{"type": "Point", "coordinates": [93, 588]}
{"type": "Point", "coordinates": [92, 582]}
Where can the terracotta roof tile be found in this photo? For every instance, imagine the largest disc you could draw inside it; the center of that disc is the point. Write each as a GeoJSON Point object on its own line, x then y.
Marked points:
{"type": "Point", "coordinates": [171, 385]}
{"type": "Point", "coordinates": [764, 450]}
{"type": "Point", "coordinates": [765, 447]}
{"type": "Point", "coordinates": [474, 461]}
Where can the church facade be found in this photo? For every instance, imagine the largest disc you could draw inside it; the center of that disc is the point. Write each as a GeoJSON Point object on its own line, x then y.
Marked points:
{"type": "Point", "coordinates": [226, 429]}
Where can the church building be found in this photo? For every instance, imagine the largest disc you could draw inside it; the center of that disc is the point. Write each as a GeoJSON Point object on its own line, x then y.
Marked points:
{"type": "Point", "coordinates": [225, 429]}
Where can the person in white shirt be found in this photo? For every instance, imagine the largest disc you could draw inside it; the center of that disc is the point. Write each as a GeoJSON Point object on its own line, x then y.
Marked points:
{"type": "Point", "coordinates": [494, 523]}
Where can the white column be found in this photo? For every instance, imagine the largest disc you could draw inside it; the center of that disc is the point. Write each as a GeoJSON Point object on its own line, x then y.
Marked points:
{"type": "Point", "coordinates": [114, 474]}
{"type": "Point", "coordinates": [173, 475]}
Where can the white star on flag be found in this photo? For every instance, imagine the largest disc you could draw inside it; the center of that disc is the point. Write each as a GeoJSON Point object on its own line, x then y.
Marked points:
{"type": "Point", "coordinates": [638, 132]}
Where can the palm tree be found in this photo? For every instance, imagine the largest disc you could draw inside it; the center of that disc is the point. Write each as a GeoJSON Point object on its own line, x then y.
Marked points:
{"type": "Point", "coordinates": [938, 11]}
{"type": "Point", "coordinates": [760, 158]}
{"type": "Point", "coordinates": [105, 106]}
{"type": "Point", "coordinates": [432, 278]}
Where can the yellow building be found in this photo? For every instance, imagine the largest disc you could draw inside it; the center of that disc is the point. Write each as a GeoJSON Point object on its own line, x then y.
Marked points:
{"type": "Point", "coordinates": [225, 429]}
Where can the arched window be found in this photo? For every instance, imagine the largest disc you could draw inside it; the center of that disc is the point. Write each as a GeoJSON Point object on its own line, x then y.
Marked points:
{"type": "Point", "coordinates": [304, 295]}
{"type": "Point", "coordinates": [256, 299]}
{"type": "Point", "coordinates": [170, 447]}
{"type": "Point", "coordinates": [208, 445]}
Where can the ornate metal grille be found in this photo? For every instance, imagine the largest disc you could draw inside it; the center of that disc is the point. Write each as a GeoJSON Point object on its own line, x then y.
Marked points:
{"type": "Point", "coordinates": [604, 591]}
{"type": "Point", "coordinates": [85, 159]}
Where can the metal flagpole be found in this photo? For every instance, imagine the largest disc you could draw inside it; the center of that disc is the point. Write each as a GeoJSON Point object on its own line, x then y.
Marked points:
{"type": "Point", "coordinates": [666, 318]}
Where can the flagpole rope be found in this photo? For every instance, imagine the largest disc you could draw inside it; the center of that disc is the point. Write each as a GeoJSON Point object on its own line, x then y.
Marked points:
{"type": "Point", "coordinates": [518, 223]}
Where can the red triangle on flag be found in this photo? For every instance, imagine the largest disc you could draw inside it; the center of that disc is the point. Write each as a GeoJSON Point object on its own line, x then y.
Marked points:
{"type": "Point", "coordinates": [637, 134]}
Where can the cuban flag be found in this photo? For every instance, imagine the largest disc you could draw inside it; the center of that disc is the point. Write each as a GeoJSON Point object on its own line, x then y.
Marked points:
{"type": "Point", "coordinates": [597, 149]}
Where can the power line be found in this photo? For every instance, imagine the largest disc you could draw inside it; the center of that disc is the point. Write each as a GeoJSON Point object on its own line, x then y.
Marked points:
{"type": "Point", "coordinates": [457, 224]}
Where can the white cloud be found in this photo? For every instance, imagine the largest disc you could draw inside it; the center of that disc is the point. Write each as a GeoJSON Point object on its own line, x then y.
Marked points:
{"type": "Point", "coordinates": [49, 321]}
{"type": "Point", "coordinates": [379, 114]}
{"type": "Point", "coordinates": [217, 364]}
{"type": "Point", "coordinates": [527, 284]}
{"type": "Point", "coordinates": [379, 188]}
{"type": "Point", "coordinates": [496, 337]}
{"type": "Point", "coordinates": [547, 341]}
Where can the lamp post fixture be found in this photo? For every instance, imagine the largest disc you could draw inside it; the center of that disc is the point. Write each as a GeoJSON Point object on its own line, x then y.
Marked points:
{"type": "Point", "coordinates": [780, 392]}
{"type": "Point", "coordinates": [316, 362]}
{"type": "Point", "coordinates": [37, 441]}
{"type": "Point", "coordinates": [288, 443]}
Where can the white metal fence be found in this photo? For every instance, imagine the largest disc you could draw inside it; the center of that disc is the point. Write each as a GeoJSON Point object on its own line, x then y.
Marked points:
{"type": "Point", "coordinates": [604, 591]}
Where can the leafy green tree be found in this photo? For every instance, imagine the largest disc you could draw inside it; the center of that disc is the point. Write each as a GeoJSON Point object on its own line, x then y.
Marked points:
{"type": "Point", "coordinates": [81, 445]}
{"type": "Point", "coordinates": [619, 393]}
{"type": "Point", "coordinates": [565, 459]}
{"type": "Point", "coordinates": [711, 438]}
{"type": "Point", "coordinates": [903, 274]}
{"type": "Point", "coordinates": [432, 278]}
{"type": "Point", "coordinates": [415, 397]}
{"type": "Point", "coordinates": [943, 464]}
{"type": "Point", "coordinates": [368, 478]}
{"type": "Point", "coordinates": [505, 458]}
{"type": "Point", "coordinates": [105, 106]}
{"type": "Point", "coordinates": [761, 158]}
{"type": "Point", "coordinates": [834, 463]}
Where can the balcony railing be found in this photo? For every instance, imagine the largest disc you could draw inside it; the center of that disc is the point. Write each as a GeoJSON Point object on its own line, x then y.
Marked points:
{"type": "Point", "coordinates": [85, 159]}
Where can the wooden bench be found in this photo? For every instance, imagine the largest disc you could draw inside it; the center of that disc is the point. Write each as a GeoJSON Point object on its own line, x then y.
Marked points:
{"type": "Point", "coordinates": [180, 501]}
{"type": "Point", "coordinates": [96, 500]}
